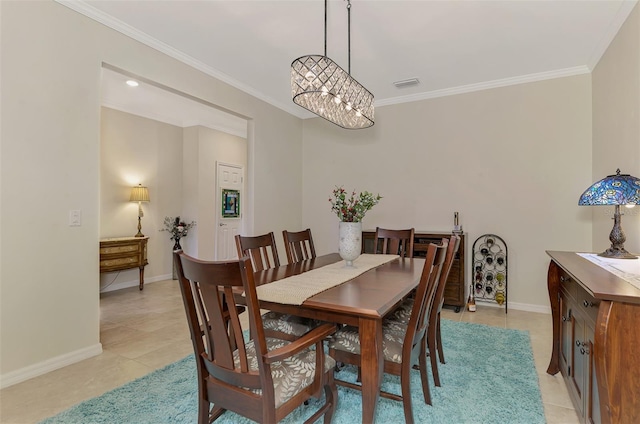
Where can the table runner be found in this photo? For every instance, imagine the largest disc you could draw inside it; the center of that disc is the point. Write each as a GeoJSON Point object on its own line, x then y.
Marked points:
{"type": "Point", "coordinates": [296, 289]}
{"type": "Point", "coordinates": [627, 269]}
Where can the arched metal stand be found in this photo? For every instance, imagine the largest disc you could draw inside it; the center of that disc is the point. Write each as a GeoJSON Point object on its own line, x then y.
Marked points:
{"type": "Point", "coordinates": [489, 269]}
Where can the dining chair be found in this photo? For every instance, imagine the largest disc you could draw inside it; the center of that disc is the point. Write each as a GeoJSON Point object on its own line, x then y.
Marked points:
{"type": "Point", "coordinates": [394, 242]}
{"type": "Point", "coordinates": [261, 249]}
{"type": "Point", "coordinates": [258, 377]}
{"type": "Point", "coordinates": [402, 344]}
{"type": "Point", "coordinates": [264, 255]}
{"type": "Point", "coordinates": [299, 245]}
{"type": "Point", "coordinates": [434, 338]}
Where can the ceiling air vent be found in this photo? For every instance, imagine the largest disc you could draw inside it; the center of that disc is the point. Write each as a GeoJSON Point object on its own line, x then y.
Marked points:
{"type": "Point", "coordinates": [406, 83]}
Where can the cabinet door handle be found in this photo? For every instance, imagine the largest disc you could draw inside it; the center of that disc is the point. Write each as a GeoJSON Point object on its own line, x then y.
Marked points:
{"type": "Point", "coordinates": [563, 279]}
{"type": "Point", "coordinates": [587, 304]}
{"type": "Point", "coordinates": [578, 343]}
{"type": "Point", "coordinates": [584, 351]}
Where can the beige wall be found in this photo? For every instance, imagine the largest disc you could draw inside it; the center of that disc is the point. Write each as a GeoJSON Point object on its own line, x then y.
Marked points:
{"type": "Point", "coordinates": [206, 147]}
{"type": "Point", "coordinates": [513, 161]}
{"type": "Point", "coordinates": [50, 164]}
{"type": "Point", "coordinates": [135, 150]}
{"type": "Point", "coordinates": [178, 166]}
{"type": "Point", "coordinates": [616, 127]}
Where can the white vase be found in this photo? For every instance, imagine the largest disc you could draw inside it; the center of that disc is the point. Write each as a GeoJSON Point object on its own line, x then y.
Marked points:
{"type": "Point", "coordinates": [350, 241]}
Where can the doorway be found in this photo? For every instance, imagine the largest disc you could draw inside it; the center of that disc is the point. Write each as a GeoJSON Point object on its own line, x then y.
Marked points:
{"type": "Point", "coordinates": [152, 114]}
{"type": "Point", "coordinates": [229, 209]}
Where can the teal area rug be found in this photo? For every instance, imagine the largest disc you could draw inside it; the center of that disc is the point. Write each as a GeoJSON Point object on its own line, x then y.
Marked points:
{"type": "Point", "coordinates": [489, 377]}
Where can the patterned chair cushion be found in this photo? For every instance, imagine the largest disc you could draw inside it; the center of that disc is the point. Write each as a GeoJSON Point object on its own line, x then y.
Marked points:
{"type": "Point", "coordinates": [289, 376]}
{"type": "Point", "coordinates": [393, 333]}
{"type": "Point", "coordinates": [288, 324]}
{"type": "Point", "coordinates": [402, 313]}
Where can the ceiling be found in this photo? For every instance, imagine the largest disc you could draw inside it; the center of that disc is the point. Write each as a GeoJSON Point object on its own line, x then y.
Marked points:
{"type": "Point", "coordinates": [451, 47]}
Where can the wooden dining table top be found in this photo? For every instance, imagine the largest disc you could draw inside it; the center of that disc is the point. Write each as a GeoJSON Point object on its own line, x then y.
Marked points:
{"type": "Point", "coordinates": [372, 294]}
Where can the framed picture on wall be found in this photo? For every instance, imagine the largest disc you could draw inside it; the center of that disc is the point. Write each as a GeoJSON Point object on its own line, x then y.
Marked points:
{"type": "Point", "coordinates": [230, 203]}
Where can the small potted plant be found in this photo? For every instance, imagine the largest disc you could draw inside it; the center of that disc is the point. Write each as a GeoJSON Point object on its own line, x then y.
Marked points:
{"type": "Point", "coordinates": [177, 229]}
{"type": "Point", "coordinates": [351, 210]}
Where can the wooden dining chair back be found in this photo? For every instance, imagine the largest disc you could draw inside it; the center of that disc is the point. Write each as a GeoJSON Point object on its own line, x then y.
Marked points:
{"type": "Point", "coordinates": [261, 249]}
{"type": "Point", "coordinates": [299, 245]}
{"type": "Point", "coordinates": [402, 344]}
{"type": "Point", "coordinates": [257, 377]}
{"type": "Point", "coordinates": [264, 255]}
{"type": "Point", "coordinates": [394, 242]}
{"type": "Point", "coordinates": [434, 338]}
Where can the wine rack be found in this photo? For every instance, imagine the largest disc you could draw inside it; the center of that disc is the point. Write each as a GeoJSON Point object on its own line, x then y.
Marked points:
{"type": "Point", "coordinates": [490, 269]}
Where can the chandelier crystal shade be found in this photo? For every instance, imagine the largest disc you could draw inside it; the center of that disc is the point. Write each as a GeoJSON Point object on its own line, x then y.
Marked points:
{"type": "Point", "coordinates": [321, 86]}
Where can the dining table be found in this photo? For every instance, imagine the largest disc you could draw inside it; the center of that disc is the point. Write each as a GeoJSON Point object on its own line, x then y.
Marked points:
{"type": "Point", "coordinates": [362, 301]}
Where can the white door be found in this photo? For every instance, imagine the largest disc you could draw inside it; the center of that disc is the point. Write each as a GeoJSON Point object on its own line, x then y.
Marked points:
{"type": "Point", "coordinates": [229, 209]}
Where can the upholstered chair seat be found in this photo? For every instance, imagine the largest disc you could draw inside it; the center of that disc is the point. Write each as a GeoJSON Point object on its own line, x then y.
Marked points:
{"type": "Point", "coordinates": [393, 335]}
{"type": "Point", "coordinates": [291, 375]}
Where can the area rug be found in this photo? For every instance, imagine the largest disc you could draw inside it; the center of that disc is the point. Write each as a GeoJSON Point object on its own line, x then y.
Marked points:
{"type": "Point", "coordinates": [489, 377]}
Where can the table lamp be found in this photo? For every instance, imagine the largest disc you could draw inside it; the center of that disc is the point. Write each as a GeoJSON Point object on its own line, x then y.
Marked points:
{"type": "Point", "coordinates": [618, 189]}
{"type": "Point", "coordinates": [139, 194]}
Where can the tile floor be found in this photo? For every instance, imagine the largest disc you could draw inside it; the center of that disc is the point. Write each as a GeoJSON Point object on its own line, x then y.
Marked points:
{"type": "Point", "coordinates": [143, 331]}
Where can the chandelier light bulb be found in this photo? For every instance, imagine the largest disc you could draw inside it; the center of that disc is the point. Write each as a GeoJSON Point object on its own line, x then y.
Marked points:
{"type": "Point", "coordinates": [348, 107]}
{"type": "Point", "coordinates": [337, 99]}
{"type": "Point", "coordinates": [310, 76]}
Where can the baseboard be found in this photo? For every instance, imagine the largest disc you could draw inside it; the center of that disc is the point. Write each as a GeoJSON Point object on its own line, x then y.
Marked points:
{"type": "Point", "coordinates": [518, 306]}
{"type": "Point", "coordinates": [52, 364]}
{"type": "Point", "coordinates": [135, 283]}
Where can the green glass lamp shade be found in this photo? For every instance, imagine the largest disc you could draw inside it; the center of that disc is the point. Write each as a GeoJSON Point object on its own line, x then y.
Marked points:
{"type": "Point", "coordinates": [618, 189]}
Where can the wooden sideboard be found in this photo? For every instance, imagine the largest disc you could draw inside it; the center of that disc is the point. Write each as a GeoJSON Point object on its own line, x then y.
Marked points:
{"type": "Point", "coordinates": [596, 338]}
{"type": "Point", "coordinates": [454, 290]}
{"type": "Point", "coordinates": [121, 253]}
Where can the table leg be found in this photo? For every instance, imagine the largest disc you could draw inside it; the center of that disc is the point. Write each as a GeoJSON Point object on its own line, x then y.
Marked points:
{"type": "Point", "coordinates": [141, 277]}
{"type": "Point", "coordinates": [372, 365]}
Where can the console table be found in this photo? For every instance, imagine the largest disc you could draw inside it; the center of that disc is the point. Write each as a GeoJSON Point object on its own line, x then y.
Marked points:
{"type": "Point", "coordinates": [596, 338]}
{"type": "Point", "coordinates": [454, 290]}
{"type": "Point", "coordinates": [121, 253]}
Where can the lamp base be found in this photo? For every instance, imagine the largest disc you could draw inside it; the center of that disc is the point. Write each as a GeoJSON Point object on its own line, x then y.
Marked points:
{"type": "Point", "coordinates": [139, 227]}
{"type": "Point", "coordinates": [617, 254]}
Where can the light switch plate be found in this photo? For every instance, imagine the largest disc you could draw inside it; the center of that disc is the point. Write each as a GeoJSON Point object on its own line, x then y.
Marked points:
{"type": "Point", "coordinates": [75, 218]}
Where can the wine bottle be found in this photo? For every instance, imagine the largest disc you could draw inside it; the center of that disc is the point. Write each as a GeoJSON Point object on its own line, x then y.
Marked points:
{"type": "Point", "coordinates": [471, 302]}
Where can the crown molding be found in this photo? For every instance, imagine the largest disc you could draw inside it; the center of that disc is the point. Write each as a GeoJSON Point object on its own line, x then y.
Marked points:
{"type": "Point", "coordinates": [623, 13]}
{"type": "Point", "coordinates": [91, 12]}
{"type": "Point", "coordinates": [487, 85]}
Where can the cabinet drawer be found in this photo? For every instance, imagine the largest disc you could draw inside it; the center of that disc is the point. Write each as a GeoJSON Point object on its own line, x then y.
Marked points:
{"type": "Point", "coordinates": [129, 261]}
{"type": "Point", "coordinates": [111, 250]}
{"type": "Point", "coordinates": [587, 304]}
{"type": "Point", "coordinates": [569, 286]}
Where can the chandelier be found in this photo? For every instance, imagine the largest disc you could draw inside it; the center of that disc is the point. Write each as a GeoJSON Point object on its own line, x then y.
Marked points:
{"type": "Point", "coordinates": [319, 85]}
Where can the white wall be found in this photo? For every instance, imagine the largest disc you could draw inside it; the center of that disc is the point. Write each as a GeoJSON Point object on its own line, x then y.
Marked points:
{"type": "Point", "coordinates": [616, 127]}
{"type": "Point", "coordinates": [513, 161]}
{"type": "Point", "coordinates": [50, 162]}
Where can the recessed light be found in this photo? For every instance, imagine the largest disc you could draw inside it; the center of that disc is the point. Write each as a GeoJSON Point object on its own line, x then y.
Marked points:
{"type": "Point", "coordinates": [132, 83]}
